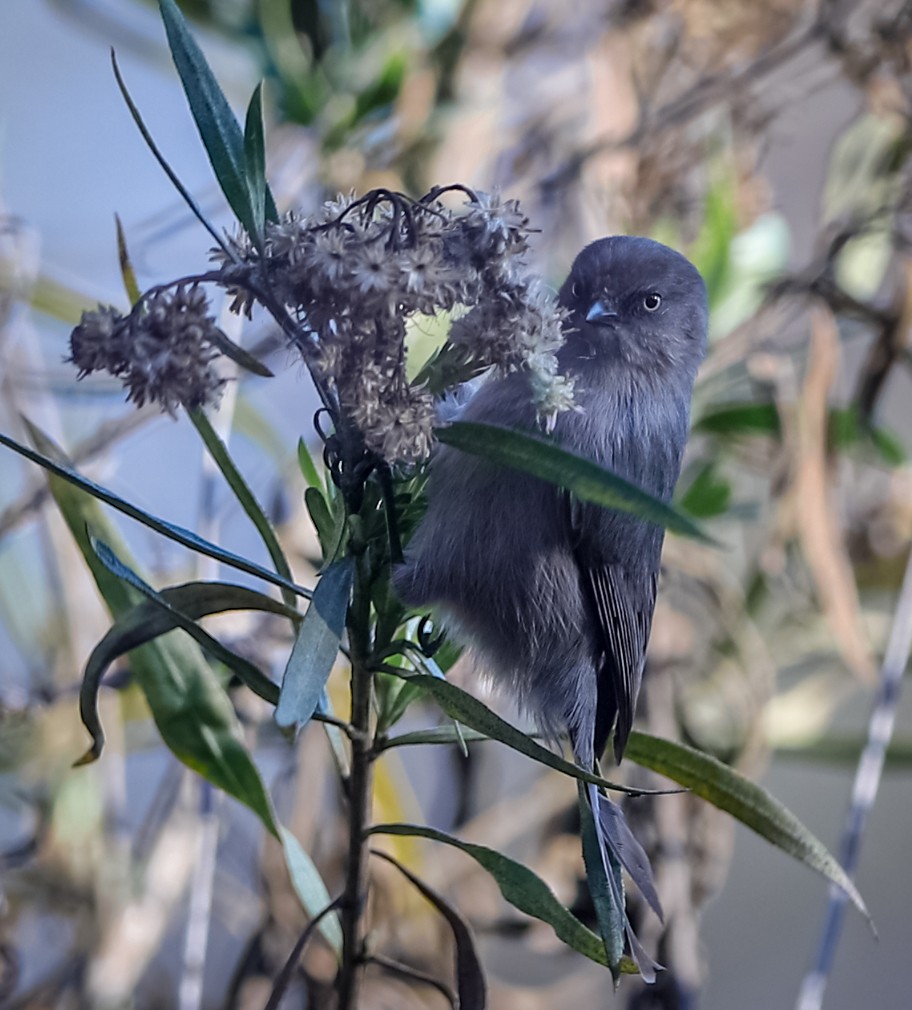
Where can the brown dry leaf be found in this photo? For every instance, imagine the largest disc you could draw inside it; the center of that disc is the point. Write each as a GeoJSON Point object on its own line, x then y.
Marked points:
{"type": "Point", "coordinates": [817, 523]}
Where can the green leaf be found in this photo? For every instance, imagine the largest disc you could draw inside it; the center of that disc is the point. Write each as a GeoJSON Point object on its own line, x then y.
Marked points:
{"type": "Point", "coordinates": [711, 252]}
{"type": "Point", "coordinates": [127, 272]}
{"type": "Point", "coordinates": [316, 646]}
{"type": "Point", "coordinates": [707, 494]}
{"type": "Point", "coordinates": [245, 496]}
{"type": "Point", "coordinates": [321, 518]}
{"type": "Point", "coordinates": [470, 980]}
{"type": "Point", "coordinates": [521, 888]}
{"type": "Point", "coordinates": [308, 468]}
{"type": "Point", "coordinates": [255, 163]}
{"type": "Point", "coordinates": [217, 125]}
{"type": "Point", "coordinates": [383, 91]}
{"type": "Point", "coordinates": [193, 714]}
{"type": "Point", "coordinates": [847, 428]}
{"type": "Point", "coordinates": [740, 419]}
{"type": "Point", "coordinates": [465, 709]}
{"type": "Point", "coordinates": [545, 459]}
{"type": "Point", "coordinates": [394, 702]}
{"type": "Point", "coordinates": [745, 800]}
{"type": "Point", "coordinates": [889, 446]}
{"type": "Point", "coordinates": [448, 734]}
{"type": "Point", "coordinates": [238, 355]}
{"type": "Point", "coordinates": [309, 887]}
{"type": "Point", "coordinates": [111, 646]}
{"type": "Point", "coordinates": [171, 608]}
{"type": "Point", "coordinates": [170, 530]}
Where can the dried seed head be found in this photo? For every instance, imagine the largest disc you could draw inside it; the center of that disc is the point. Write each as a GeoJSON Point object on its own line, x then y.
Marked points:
{"type": "Point", "coordinates": [345, 281]}
{"type": "Point", "coordinates": [162, 352]}
{"type": "Point", "coordinates": [353, 273]}
{"type": "Point", "coordinates": [97, 344]}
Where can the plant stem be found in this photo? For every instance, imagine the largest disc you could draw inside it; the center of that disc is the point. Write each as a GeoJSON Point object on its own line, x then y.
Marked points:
{"type": "Point", "coordinates": [359, 791]}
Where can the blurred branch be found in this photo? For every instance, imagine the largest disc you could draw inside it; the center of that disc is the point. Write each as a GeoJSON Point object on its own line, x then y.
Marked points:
{"type": "Point", "coordinates": [864, 791]}
{"type": "Point", "coordinates": [283, 979]}
{"type": "Point", "coordinates": [707, 91]}
{"type": "Point", "coordinates": [888, 347]}
{"type": "Point", "coordinates": [406, 971]}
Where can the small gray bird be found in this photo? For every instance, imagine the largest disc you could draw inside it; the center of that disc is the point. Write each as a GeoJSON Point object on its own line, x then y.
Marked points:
{"type": "Point", "coordinates": [556, 596]}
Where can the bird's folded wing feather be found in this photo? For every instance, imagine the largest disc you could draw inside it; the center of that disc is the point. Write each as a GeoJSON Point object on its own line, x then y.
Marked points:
{"type": "Point", "coordinates": [622, 600]}
{"type": "Point", "coordinates": [623, 606]}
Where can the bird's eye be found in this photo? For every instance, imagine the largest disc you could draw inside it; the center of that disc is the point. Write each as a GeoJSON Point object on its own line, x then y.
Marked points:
{"type": "Point", "coordinates": [652, 301]}
{"type": "Point", "coordinates": [576, 289]}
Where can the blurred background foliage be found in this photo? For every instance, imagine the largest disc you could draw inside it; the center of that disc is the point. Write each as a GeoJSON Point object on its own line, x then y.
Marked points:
{"type": "Point", "coordinates": [772, 143]}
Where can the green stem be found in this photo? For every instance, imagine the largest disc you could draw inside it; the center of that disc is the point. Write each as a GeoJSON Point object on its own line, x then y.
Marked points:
{"type": "Point", "coordinates": [359, 789]}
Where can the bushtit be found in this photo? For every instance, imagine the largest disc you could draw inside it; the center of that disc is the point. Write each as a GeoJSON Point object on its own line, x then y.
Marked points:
{"type": "Point", "coordinates": [553, 595]}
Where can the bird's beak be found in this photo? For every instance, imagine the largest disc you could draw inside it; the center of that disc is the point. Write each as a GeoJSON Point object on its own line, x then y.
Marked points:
{"type": "Point", "coordinates": [600, 314]}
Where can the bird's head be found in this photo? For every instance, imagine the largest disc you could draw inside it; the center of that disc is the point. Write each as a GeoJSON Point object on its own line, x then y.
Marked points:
{"type": "Point", "coordinates": [636, 301]}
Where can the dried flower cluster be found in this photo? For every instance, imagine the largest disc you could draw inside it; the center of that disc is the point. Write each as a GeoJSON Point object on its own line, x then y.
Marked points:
{"type": "Point", "coordinates": [162, 351]}
{"type": "Point", "coordinates": [344, 284]}
{"type": "Point", "coordinates": [355, 273]}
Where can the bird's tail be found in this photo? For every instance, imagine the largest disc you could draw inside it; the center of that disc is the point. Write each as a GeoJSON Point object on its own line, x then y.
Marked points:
{"type": "Point", "coordinates": [615, 847]}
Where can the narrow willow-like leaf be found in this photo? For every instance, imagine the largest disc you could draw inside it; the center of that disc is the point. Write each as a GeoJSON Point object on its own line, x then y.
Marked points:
{"type": "Point", "coordinates": [468, 710]}
{"type": "Point", "coordinates": [127, 273]}
{"type": "Point", "coordinates": [437, 735]}
{"type": "Point", "coordinates": [169, 530]}
{"type": "Point", "coordinates": [745, 800]}
{"type": "Point", "coordinates": [255, 162]}
{"type": "Point", "coordinates": [249, 674]}
{"type": "Point", "coordinates": [245, 496]}
{"type": "Point", "coordinates": [238, 355]}
{"type": "Point", "coordinates": [149, 620]}
{"type": "Point", "coordinates": [545, 459]}
{"type": "Point", "coordinates": [218, 128]}
{"type": "Point", "coordinates": [608, 913]}
{"type": "Point", "coordinates": [522, 888]}
{"type": "Point", "coordinates": [309, 887]}
{"type": "Point", "coordinates": [316, 646]}
{"type": "Point", "coordinates": [470, 980]}
{"type": "Point", "coordinates": [397, 702]}
{"type": "Point", "coordinates": [160, 158]}
{"type": "Point", "coordinates": [193, 713]}
{"type": "Point", "coordinates": [308, 468]}
{"type": "Point", "coordinates": [321, 518]}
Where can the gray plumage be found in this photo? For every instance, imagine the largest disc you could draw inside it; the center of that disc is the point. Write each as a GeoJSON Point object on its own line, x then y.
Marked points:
{"type": "Point", "coordinates": [554, 595]}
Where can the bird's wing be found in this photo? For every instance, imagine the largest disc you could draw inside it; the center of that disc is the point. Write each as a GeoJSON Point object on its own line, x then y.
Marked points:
{"type": "Point", "coordinates": [621, 599]}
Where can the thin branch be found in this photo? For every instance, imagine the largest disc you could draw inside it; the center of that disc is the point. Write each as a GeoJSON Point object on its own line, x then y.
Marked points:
{"type": "Point", "coordinates": [691, 103]}
{"type": "Point", "coordinates": [160, 158]}
{"type": "Point", "coordinates": [413, 973]}
{"type": "Point", "coordinates": [864, 790]}
{"type": "Point", "coordinates": [283, 979]}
